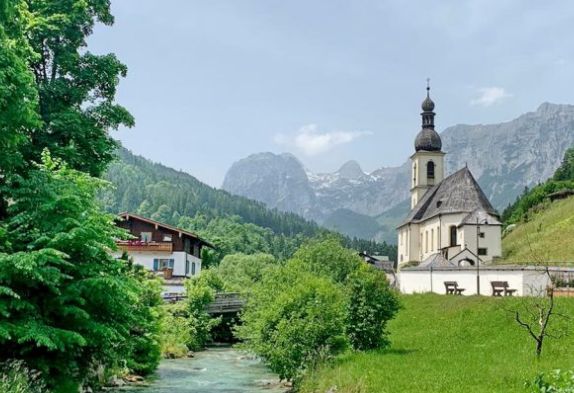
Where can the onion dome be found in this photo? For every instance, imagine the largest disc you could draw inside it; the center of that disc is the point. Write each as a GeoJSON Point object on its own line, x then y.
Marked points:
{"type": "Point", "coordinates": [428, 139]}
{"type": "Point", "coordinates": [428, 104]}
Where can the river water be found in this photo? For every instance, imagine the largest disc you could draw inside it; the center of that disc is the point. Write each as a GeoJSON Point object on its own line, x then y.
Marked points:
{"type": "Point", "coordinates": [215, 370]}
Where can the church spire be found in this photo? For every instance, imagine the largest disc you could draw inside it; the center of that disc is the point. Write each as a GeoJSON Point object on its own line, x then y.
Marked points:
{"type": "Point", "coordinates": [428, 107]}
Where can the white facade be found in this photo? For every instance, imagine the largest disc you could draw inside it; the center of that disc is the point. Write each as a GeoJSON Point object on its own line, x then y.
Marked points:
{"type": "Point", "coordinates": [184, 264]}
{"type": "Point", "coordinates": [526, 281]}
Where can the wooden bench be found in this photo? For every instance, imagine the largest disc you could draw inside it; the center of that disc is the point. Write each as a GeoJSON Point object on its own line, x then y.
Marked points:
{"type": "Point", "coordinates": [452, 288]}
{"type": "Point", "coordinates": [501, 287]}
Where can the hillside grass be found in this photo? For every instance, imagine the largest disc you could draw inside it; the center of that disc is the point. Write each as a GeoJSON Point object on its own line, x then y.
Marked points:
{"type": "Point", "coordinates": [448, 344]}
{"type": "Point", "coordinates": [546, 237]}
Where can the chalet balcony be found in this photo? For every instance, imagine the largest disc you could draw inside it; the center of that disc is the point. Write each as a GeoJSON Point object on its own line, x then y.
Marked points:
{"type": "Point", "coordinates": [137, 245]}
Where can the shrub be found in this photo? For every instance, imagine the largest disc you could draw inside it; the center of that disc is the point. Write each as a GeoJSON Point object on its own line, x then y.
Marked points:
{"type": "Point", "coordinates": [15, 377]}
{"type": "Point", "coordinates": [370, 304]}
{"type": "Point", "coordinates": [294, 326]}
{"type": "Point", "coordinates": [176, 331]}
{"type": "Point", "coordinates": [240, 272]}
{"type": "Point", "coordinates": [200, 292]}
{"type": "Point", "coordinates": [557, 381]}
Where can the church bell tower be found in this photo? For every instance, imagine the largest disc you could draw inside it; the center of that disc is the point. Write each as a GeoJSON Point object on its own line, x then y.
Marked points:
{"type": "Point", "coordinates": [427, 163]}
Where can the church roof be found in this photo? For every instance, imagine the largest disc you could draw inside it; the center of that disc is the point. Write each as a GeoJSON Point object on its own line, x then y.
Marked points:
{"type": "Point", "coordinates": [458, 193]}
{"type": "Point", "coordinates": [480, 216]}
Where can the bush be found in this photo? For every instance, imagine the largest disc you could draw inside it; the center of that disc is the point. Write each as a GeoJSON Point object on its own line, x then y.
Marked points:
{"type": "Point", "coordinates": [294, 326]}
{"type": "Point", "coordinates": [176, 331]}
{"type": "Point", "coordinates": [240, 272]}
{"type": "Point", "coordinates": [200, 292]}
{"type": "Point", "coordinates": [557, 381]}
{"type": "Point", "coordinates": [322, 301]}
{"type": "Point", "coordinates": [370, 304]}
{"type": "Point", "coordinates": [15, 377]}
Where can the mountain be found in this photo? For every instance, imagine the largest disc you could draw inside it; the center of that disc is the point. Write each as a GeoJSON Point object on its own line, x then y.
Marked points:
{"type": "Point", "coordinates": [234, 223]}
{"type": "Point", "coordinates": [503, 157]}
{"type": "Point", "coordinates": [281, 182]}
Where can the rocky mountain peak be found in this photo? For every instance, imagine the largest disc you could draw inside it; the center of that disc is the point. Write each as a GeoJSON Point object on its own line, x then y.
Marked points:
{"type": "Point", "coordinates": [351, 170]}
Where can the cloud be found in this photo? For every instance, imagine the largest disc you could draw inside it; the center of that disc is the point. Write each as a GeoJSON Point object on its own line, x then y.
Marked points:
{"type": "Point", "coordinates": [312, 142]}
{"type": "Point", "coordinates": [488, 96]}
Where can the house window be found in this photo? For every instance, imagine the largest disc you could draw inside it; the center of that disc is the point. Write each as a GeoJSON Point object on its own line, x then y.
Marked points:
{"type": "Point", "coordinates": [186, 267]}
{"type": "Point", "coordinates": [193, 268]}
{"type": "Point", "coordinates": [187, 246]}
{"type": "Point", "coordinates": [482, 251]}
{"type": "Point", "coordinates": [162, 263]}
{"type": "Point", "coordinates": [167, 237]}
{"type": "Point", "coordinates": [145, 237]}
{"type": "Point", "coordinates": [481, 234]}
{"type": "Point", "coordinates": [453, 241]}
{"type": "Point", "coordinates": [430, 170]}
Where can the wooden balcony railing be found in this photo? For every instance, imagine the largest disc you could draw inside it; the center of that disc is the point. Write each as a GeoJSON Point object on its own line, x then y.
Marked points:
{"type": "Point", "coordinates": [141, 246]}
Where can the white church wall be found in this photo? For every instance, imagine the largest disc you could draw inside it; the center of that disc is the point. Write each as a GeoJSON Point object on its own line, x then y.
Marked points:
{"type": "Point", "coordinates": [526, 282]}
{"type": "Point", "coordinates": [491, 240]}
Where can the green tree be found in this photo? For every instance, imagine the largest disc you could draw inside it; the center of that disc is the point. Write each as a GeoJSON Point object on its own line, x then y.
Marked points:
{"type": "Point", "coordinates": [370, 305]}
{"type": "Point", "coordinates": [566, 169]}
{"type": "Point", "coordinates": [76, 88]}
{"type": "Point", "coordinates": [18, 94]}
{"type": "Point", "coordinates": [293, 320]}
{"type": "Point", "coordinates": [66, 305]}
{"type": "Point", "coordinates": [240, 272]}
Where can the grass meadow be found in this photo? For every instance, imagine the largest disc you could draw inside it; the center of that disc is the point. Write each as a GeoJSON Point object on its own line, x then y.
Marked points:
{"type": "Point", "coordinates": [449, 344]}
{"type": "Point", "coordinates": [546, 237]}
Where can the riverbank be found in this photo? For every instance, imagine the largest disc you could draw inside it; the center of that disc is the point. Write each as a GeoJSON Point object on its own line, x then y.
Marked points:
{"type": "Point", "coordinates": [215, 370]}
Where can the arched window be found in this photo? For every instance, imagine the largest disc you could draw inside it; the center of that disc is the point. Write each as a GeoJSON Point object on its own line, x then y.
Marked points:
{"type": "Point", "coordinates": [453, 241]}
{"type": "Point", "coordinates": [430, 170]}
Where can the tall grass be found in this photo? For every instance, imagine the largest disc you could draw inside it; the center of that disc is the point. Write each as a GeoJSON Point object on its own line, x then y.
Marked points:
{"type": "Point", "coordinates": [15, 377]}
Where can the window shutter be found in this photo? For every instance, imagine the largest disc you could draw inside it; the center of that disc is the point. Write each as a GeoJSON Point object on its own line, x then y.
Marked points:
{"type": "Point", "coordinates": [155, 264]}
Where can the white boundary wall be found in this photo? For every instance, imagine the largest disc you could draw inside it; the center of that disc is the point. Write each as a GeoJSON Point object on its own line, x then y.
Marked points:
{"type": "Point", "coordinates": [526, 281]}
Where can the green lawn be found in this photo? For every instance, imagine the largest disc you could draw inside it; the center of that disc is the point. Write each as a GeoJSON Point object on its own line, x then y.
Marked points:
{"type": "Point", "coordinates": [448, 344]}
{"type": "Point", "coordinates": [546, 237]}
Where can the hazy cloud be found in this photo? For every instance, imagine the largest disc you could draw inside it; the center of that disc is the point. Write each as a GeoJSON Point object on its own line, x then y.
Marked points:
{"type": "Point", "coordinates": [488, 96]}
{"type": "Point", "coordinates": [311, 141]}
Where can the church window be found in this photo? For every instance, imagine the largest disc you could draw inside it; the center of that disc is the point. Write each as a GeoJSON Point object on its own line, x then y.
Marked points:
{"type": "Point", "coordinates": [481, 234]}
{"type": "Point", "coordinates": [414, 174]}
{"type": "Point", "coordinates": [432, 239]}
{"type": "Point", "coordinates": [430, 170]}
{"type": "Point", "coordinates": [482, 251]}
{"type": "Point", "coordinates": [426, 241]}
{"type": "Point", "coordinates": [453, 240]}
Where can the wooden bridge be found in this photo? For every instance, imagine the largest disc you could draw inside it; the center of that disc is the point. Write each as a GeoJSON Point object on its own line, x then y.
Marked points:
{"type": "Point", "coordinates": [224, 302]}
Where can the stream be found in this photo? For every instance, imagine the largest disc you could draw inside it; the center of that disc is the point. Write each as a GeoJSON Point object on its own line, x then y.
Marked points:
{"type": "Point", "coordinates": [215, 370]}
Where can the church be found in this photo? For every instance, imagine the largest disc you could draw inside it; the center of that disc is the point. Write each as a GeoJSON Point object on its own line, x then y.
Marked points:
{"type": "Point", "coordinates": [451, 222]}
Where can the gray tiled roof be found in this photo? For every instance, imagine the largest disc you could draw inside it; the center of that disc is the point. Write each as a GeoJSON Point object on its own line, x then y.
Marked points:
{"type": "Point", "coordinates": [458, 193]}
{"type": "Point", "coordinates": [481, 217]}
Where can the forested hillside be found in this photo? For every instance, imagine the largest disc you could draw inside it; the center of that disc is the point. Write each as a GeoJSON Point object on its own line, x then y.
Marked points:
{"type": "Point", "coordinates": [233, 223]}
{"type": "Point", "coordinates": [535, 199]}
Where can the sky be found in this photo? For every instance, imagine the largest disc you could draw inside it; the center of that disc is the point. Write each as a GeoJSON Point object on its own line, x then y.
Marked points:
{"type": "Point", "coordinates": [210, 82]}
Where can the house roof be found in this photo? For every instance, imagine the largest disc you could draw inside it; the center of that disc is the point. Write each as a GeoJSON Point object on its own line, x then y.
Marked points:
{"type": "Point", "coordinates": [126, 216]}
{"type": "Point", "coordinates": [458, 193]}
